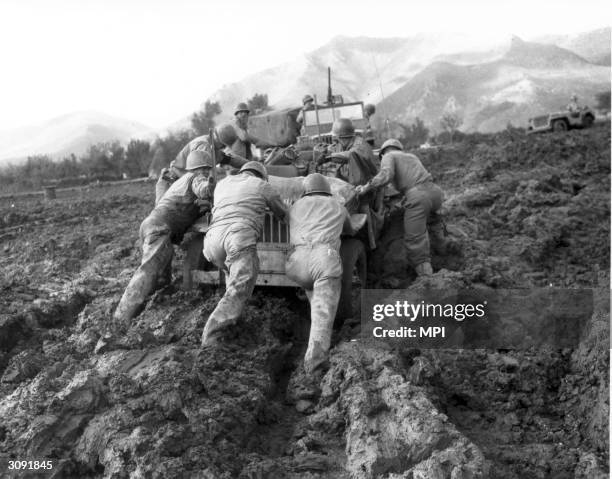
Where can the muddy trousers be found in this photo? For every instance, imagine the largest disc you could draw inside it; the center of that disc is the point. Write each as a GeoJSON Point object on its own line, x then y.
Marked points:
{"type": "Point", "coordinates": [231, 248]}
{"type": "Point", "coordinates": [422, 204]}
{"type": "Point", "coordinates": [156, 259]}
{"type": "Point", "coordinates": [317, 268]}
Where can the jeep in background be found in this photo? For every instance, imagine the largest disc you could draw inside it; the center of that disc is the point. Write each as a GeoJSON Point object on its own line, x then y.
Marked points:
{"type": "Point", "coordinates": [562, 121]}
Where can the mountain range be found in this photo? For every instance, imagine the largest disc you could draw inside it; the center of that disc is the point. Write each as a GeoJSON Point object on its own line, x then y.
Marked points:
{"type": "Point", "coordinates": [66, 134]}
{"type": "Point", "coordinates": [488, 83]}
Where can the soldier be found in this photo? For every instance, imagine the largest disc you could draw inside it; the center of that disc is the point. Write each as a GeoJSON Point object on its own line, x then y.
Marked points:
{"type": "Point", "coordinates": [242, 145]}
{"type": "Point", "coordinates": [316, 221]}
{"type": "Point", "coordinates": [238, 216]}
{"type": "Point", "coordinates": [573, 106]}
{"type": "Point", "coordinates": [351, 153]}
{"type": "Point", "coordinates": [423, 200]}
{"type": "Point", "coordinates": [167, 223]}
{"type": "Point", "coordinates": [307, 104]}
{"type": "Point", "coordinates": [224, 137]}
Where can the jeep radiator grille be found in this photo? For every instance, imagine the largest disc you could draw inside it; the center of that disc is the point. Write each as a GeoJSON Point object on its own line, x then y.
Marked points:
{"type": "Point", "coordinates": [274, 231]}
{"type": "Point", "coordinates": [539, 121]}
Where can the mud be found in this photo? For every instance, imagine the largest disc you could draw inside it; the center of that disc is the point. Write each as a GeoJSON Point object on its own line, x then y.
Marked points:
{"type": "Point", "coordinates": [521, 212]}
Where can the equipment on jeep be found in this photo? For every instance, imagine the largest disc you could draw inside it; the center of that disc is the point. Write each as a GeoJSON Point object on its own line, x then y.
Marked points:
{"type": "Point", "coordinates": [562, 121]}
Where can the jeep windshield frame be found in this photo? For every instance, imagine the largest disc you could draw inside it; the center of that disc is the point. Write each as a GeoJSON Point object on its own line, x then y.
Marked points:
{"type": "Point", "coordinates": [319, 121]}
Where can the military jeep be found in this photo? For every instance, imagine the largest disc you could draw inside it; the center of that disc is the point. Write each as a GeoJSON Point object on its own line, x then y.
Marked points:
{"type": "Point", "coordinates": [562, 121]}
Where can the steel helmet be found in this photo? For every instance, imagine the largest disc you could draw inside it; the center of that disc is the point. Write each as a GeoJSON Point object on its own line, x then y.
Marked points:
{"type": "Point", "coordinates": [256, 167]}
{"type": "Point", "coordinates": [242, 107]}
{"type": "Point", "coordinates": [343, 128]}
{"type": "Point", "coordinates": [369, 110]}
{"type": "Point", "coordinates": [198, 159]}
{"type": "Point", "coordinates": [306, 99]}
{"type": "Point", "coordinates": [227, 134]}
{"type": "Point", "coordinates": [316, 183]}
{"type": "Point", "coordinates": [391, 143]}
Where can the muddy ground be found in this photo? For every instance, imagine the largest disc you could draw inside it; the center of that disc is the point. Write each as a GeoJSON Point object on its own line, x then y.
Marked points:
{"type": "Point", "coordinates": [524, 212]}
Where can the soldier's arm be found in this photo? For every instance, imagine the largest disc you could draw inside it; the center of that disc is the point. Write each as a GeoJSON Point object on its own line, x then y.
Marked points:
{"type": "Point", "coordinates": [229, 157]}
{"type": "Point", "coordinates": [382, 178]}
{"type": "Point", "coordinates": [341, 157]}
{"type": "Point", "coordinates": [274, 201]}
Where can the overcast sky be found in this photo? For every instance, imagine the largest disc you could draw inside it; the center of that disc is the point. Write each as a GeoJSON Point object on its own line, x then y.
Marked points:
{"type": "Point", "coordinates": [155, 61]}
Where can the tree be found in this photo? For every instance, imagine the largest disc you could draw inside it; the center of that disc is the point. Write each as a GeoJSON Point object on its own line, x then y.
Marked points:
{"type": "Point", "coordinates": [413, 135]}
{"type": "Point", "coordinates": [202, 121]}
{"type": "Point", "coordinates": [258, 103]}
{"type": "Point", "coordinates": [603, 100]}
{"type": "Point", "coordinates": [104, 160]}
{"type": "Point", "coordinates": [137, 158]}
{"type": "Point", "coordinates": [450, 122]}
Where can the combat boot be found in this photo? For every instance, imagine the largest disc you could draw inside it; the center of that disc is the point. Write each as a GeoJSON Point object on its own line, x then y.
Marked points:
{"type": "Point", "coordinates": [424, 269]}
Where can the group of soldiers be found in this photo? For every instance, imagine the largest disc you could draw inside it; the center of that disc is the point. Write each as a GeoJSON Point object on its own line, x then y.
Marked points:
{"type": "Point", "coordinates": [316, 221]}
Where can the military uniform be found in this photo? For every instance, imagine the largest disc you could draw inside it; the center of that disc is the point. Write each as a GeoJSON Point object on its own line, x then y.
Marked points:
{"type": "Point", "coordinates": [177, 167]}
{"type": "Point", "coordinates": [242, 145]}
{"type": "Point", "coordinates": [354, 161]}
{"type": "Point", "coordinates": [573, 106]}
{"type": "Point", "coordinates": [238, 215]}
{"type": "Point", "coordinates": [315, 223]}
{"type": "Point", "coordinates": [423, 199]}
{"type": "Point", "coordinates": [172, 216]}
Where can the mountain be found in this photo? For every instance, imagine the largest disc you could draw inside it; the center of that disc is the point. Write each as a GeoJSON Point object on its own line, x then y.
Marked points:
{"type": "Point", "coordinates": [530, 78]}
{"type": "Point", "coordinates": [490, 82]}
{"type": "Point", "coordinates": [70, 133]}
{"type": "Point", "coordinates": [362, 68]}
{"type": "Point", "coordinates": [593, 46]}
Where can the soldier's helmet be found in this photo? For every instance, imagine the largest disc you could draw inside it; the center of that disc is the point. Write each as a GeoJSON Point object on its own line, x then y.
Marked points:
{"type": "Point", "coordinates": [369, 110]}
{"type": "Point", "coordinates": [241, 107]}
{"type": "Point", "coordinates": [306, 99]}
{"type": "Point", "coordinates": [391, 143]}
{"type": "Point", "coordinates": [198, 159]}
{"type": "Point", "coordinates": [256, 167]}
{"type": "Point", "coordinates": [226, 134]}
{"type": "Point", "coordinates": [343, 128]}
{"type": "Point", "coordinates": [316, 183]}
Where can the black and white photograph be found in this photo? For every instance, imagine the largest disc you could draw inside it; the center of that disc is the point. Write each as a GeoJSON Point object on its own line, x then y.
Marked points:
{"type": "Point", "coordinates": [305, 240]}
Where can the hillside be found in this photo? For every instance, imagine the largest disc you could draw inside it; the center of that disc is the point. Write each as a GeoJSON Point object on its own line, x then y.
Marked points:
{"type": "Point", "coordinates": [594, 46]}
{"type": "Point", "coordinates": [507, 81]}
{"type": "Point", "coordinates": [156, 405]}
{"type": "Point", "coordinates": [70, 133]}
{"type": "Point", "coordinates": [359, 67]}
{"type": "Point", "coordinates": [530, 78]}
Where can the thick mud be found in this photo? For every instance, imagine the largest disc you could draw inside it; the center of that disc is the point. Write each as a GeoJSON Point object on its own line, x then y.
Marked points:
{"type": "Point", "coordinates": [522, 212]}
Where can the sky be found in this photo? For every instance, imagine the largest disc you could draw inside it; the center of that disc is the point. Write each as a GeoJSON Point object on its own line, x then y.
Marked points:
{"type": "Point", "coordinates": [156, 61]}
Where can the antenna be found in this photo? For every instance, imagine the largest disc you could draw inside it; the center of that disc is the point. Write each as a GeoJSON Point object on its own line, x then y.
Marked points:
{"type": "Point", "coordinates": [330, 97]}
{"type": "Point", "coordinates": [382, 94]}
